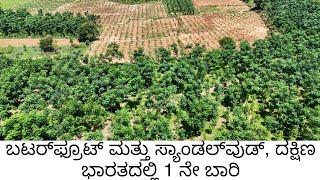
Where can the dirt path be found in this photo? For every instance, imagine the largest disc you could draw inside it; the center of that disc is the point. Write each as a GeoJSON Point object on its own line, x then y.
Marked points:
{"type": "Point", "coordinates": [32, 42]}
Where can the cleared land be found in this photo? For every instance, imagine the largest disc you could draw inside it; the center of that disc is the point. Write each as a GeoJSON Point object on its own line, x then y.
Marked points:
{"type": "Point", "coordinates": [149, 26]}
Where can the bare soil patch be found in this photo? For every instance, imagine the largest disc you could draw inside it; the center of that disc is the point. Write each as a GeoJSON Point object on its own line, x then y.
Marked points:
{"type": "Point", "coordinates": [149, 26]}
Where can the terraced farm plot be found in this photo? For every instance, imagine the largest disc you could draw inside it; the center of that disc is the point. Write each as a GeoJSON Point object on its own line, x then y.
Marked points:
{"type": "Point", "coordinates": [202, 3]}
{"type": "Point", "coordinates": [149, 26]}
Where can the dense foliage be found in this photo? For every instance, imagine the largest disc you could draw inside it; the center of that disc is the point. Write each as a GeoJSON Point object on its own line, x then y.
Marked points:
{"type": "Point", "coordinates": [294, 15]}
{"type": "Point", "coordinates": [177, 7]}
{"type": "Point", "coordinates": [21, 23]}
{"type": "Point", "coordinates": [270, 90]}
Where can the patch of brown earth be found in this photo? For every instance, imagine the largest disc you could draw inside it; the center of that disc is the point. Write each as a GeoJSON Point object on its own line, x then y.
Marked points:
{"type": "Point", "coordinates": [149, 26]}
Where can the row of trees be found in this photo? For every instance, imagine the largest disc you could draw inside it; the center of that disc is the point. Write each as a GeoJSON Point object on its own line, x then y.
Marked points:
{"type": "Point", "coordinates": [174, 7]}
{"type": "Point", "coordinates": [180, 7]}
{"type": "Point", "coordinates": [293, 15]}
{"type": "Point", "coordinates": [21, 23]}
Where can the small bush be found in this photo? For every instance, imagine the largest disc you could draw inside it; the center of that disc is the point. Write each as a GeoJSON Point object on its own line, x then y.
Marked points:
{"type": "Point", "coordinates": [113, 52]}
{"type": "Point", "coordinates": [94, 136]}
{"type": "Point", "coordinates": [258, 3]}
{"type": "Point", "coordinates": [163, 54]}
{"type": "Point", "coordinates": [138, 53]}
{"type": "Point", "coordinates": [227, 43]}
{"type": "Point", "coordinates": [46, 44]}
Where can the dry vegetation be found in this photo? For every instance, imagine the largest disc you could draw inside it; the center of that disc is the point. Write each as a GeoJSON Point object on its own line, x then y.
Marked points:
{"type": "Point", "coordinates": [149, 26]}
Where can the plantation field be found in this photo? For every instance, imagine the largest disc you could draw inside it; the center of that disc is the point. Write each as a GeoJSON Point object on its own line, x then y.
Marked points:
{"type": "Point", "coordinates": [201, 3]}
{"type": "Point", "coordinates": [149, 25]}
{"type": "Point", "coordinates": [266, 90]}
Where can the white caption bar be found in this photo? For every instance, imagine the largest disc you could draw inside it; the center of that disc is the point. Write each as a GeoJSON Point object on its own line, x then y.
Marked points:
{"type": "Point", "coordinates": [77, 160]}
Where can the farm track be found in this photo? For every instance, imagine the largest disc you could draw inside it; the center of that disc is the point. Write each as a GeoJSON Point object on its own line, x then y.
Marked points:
{"type": "Point", "coordinates": [149, 26]}
{"type": "Point", "coordinates": [32, 42]}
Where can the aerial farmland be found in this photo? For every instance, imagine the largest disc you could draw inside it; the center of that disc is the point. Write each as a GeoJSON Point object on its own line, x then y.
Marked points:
{"type": "Point", "coordinates": [159, 70]}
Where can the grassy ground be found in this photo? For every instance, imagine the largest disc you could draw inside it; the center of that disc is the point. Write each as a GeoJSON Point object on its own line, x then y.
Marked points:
{"type": "Point", "coordinates": [207, 9]}
{"type": "Point", "coordinates": [12, 3]}
{"type": "Point", "coordinates": [251, 3]}
{"type": "Point", "coordinates": [46, 5]}
{"type": "Point", "coordinates": [35, 52]}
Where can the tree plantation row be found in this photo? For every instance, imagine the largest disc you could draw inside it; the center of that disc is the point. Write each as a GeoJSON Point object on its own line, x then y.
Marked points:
{"type": "Point", "coordinates": [148, 25]}
{"type": "Point", "coordinates": [21, 23]}
{"type": "Point", "coordinates": [174, 7]}
{"type": "Point", "coordinates": [265, 91]}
